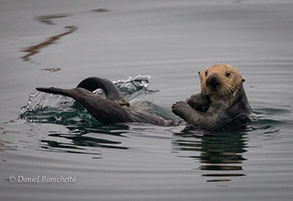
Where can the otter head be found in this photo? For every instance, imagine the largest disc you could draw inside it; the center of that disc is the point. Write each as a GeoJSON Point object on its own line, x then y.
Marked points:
{"type": "Point", "coordinates": [220, 80]}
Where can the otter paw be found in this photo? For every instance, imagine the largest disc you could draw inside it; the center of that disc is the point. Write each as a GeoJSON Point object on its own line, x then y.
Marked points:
{"type": "Point", "coordinates": [180, 108]}
{"type": "Point", "coordinates": [198, 102]}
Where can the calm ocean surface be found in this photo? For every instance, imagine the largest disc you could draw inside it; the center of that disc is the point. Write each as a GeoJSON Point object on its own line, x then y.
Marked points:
{"type": "Point", "coordinates": [52, 149]}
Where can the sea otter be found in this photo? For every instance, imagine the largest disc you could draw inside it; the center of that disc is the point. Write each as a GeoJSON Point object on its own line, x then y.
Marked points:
{"type": "Point", "coordinates": [222, 102]}
{"type": "Point", "coordinates": [112, 109]}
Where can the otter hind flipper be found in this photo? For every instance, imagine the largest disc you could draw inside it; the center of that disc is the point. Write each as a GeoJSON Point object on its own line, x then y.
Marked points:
{"type": "Point", "coordinates": [54, 90]}
{"type": "Point", "coordinates": [104, 110]}
{"type": "Point", "coordinates": [93, 83]}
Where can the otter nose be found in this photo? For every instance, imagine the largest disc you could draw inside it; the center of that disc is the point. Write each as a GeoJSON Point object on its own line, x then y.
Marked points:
{"type": "Point", "coordinates": [213, 81]}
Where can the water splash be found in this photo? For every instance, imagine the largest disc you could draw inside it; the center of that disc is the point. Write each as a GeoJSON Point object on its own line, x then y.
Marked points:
{"type": "Point", "coordinates": [134, 84]}
{"type": "Point", "coordinates": [39, 101]}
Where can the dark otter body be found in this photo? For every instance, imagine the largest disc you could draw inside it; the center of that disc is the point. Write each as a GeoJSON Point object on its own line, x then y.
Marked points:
{"type": "Point", "coordinates": [113, 109]}
{"type": "Point", "coordinates": [200, 112]}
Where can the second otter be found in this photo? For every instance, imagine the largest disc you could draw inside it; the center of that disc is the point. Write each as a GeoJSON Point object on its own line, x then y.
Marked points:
{"type": "Point", "coordinates": [109, 110]}
{"type": "Point", "coordinates": [221, 103]}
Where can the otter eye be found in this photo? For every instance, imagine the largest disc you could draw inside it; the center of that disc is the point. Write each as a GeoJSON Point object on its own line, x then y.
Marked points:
{"type": "Point", "coordinates": [228, 74]}
{"type": "Point", "coordinates": [206, 73]}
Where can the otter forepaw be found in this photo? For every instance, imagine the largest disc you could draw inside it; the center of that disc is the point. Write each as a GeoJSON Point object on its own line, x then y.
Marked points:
{"type": "Point", "coordinates": [187, 113]}
{"type": "Point", "coordinates": [180, 108]}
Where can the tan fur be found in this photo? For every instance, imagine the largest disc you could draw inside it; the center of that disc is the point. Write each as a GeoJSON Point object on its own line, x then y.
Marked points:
{"type": "Point", "coordinates": [229, 78]}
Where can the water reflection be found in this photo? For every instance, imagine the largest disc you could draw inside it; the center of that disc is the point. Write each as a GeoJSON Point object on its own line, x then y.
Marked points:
{"type": "Point", "coordinates": [83, 131]}
{"type": "Point", "coordinates": [220, 154]}
{"type": "Point", "coordinates": [93, 139]}
{"type": "Point", "coordinates": [32, 50]}
{"type": "Point", "coordinates": [48, 19]}
{"type": "Point", "coordinates": [80, 144]}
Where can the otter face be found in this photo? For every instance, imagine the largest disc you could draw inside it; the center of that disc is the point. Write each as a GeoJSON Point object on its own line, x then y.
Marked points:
{"type": "Point", "coordinates": [220, 80]}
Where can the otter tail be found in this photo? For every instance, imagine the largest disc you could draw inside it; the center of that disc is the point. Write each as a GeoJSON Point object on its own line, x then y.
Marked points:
{"type": "Point", "coordinates": [93, 83]}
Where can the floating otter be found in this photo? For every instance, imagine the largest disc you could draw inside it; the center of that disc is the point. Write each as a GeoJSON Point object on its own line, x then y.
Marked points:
{"type": "Point", "coordinates": [112, 109]}
{"type": "Point", "coordinates": [222, 102]}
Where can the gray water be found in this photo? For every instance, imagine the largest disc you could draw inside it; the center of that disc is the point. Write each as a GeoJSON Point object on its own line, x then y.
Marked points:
{"type": "Point", "coordinates": [45, 137]}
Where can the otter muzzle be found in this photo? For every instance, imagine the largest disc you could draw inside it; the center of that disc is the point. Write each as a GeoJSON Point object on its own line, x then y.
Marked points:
{"type": "Point", "coordinates": [213, 81]}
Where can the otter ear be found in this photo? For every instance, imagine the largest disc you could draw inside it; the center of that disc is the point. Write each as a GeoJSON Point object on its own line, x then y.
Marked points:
{"type": "Point", "coordinates": [243, 80]}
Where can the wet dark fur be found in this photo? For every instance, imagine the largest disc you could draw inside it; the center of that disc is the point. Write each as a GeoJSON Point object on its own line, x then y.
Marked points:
{"type": "Point", "coordinates": [109, 110]}
{"type": "Point", "coordinates": [200, 112]}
